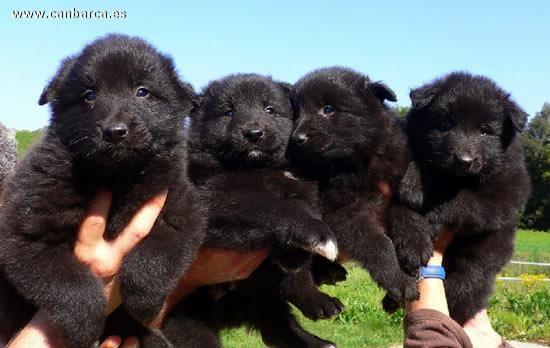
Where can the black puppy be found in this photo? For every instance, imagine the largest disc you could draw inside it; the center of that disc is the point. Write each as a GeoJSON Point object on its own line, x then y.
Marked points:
{"type": "Point", "coordinates": [468, 174]}
{"type": "Point", "coordinates": [348, 141]}
{"type": "Point", "coordinates": [237, 160]}
{"type": "Point", "coordinates": [117, 124]}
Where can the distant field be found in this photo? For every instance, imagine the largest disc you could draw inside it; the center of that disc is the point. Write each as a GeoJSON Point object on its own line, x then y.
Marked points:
{"type": "Point", "coordinates": [533, 246]}
{"type": "Point", "coordinates": [25, 139]}
{"type": "Point", "coordinates": [519, 310]}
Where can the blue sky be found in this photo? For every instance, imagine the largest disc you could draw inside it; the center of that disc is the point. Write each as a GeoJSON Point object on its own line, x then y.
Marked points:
{"type": "Point", "coordinates": [404, 43]}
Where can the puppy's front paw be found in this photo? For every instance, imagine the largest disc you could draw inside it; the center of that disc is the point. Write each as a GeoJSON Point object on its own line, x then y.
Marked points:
{"type": "Point", "coordinates": [413, 253]}
{"type": "Point", "coordinates": [329, 273]}
{"type": "Point", "coordinates": [407, 290]}
{"type": "Point", "coordinates": [327, 249]}
{"type": "Point", "coordinates": [389, 304]}
{"type": "Point", "coordinates": [316, 237]}
{"type": "Point", "coordinates": [321, 306]}
{"type": "Point", "coordinates": [330, 307]}
{"type": "Point", "coordinates": [142, 299]}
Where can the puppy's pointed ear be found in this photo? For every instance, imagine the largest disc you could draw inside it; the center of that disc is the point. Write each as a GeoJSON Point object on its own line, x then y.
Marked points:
{"type": "Point", "coordinates": [422, 96]}
{"type": "Point", "coordinates": [516, 116]}
{"type": "Point", "coordinates": [381, 91]}
{"type": "Point", "coordinates": [51, 91]}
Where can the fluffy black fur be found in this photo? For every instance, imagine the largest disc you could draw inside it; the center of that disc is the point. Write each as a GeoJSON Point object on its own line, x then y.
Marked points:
{"type": "Point", "coordinates": [348, 141]}
{"type": "Point", "coordinates": [237, 160]}
{"type": "Point", "coordinates": [117, 124]}
{"type": "Point", "coordinates": [468, 174]}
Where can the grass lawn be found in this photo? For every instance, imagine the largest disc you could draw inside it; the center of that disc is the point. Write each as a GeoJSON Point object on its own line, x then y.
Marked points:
{"type": "Point", "coordinates": [25, 139]}
{"type": "Point", "coordinates": [519, 310]}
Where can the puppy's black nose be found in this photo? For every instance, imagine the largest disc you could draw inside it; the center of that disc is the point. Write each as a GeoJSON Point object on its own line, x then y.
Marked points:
{"type": "Point", "coordinates": [464, 161]}
{"type": "Point", "coordinates": [115, 133]}
{"type": "Point", "coordinates": [299, 139]}
{"type": "Point", "coordinates": [253, 134]}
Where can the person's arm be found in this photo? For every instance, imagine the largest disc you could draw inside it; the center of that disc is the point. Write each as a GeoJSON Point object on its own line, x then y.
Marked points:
{"type": "Point", "coordinates": [432, 291]}
{"type": "Point", "coordinates": [427, 323]}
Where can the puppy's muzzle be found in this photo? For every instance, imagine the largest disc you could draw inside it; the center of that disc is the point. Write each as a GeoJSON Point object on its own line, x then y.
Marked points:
{"type": "Point", "coordinates": [115, 133]}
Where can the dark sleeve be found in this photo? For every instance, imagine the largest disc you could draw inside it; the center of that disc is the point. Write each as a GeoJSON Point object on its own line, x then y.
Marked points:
{"type": "Point", "coordinates": [431, 328]}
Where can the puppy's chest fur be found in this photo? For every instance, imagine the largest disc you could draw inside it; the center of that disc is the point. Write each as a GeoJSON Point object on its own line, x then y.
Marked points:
{"type": "Point", "coordinates": [468, 204]}
{"type": "Point", "coordinates": [348, 190]}
{"type": "Point", "coordinates": [53, 191]}
{"type": "Point", "coordinates": [242, 191]}
{"type": "Point", "coordinates": [129, 192]}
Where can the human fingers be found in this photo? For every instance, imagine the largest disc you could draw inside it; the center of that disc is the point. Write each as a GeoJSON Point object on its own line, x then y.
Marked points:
{"type": "Point", "coordinates": [445, 238]}
{"type": "Point", "coordinates": [384, 189]}
{"type": "Point", "coordinates": [92, 227]}
{"type": "Point", "coordinates": [140, 225]}
{"type": "Point", "coordinates": [130, 342]}
{"type": "Point", "coordinates": [111, 342]}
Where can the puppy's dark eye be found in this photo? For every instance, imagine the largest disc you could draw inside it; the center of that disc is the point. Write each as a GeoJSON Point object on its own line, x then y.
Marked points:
{"type": "Point", "coordinates": [327, 110]}
{"type": "Point", "coordinates": [89, 96]}
{"type": "Point", "coordinates": [446, 126]}
{"type": "Point", "coordinates": [269, 109]}
{"type": "Point", "coordinates": [142, 92]}
{"type": "Point", "coordinates": [229, 113]}
{"type": "Point", "coordinates": [485, 130]}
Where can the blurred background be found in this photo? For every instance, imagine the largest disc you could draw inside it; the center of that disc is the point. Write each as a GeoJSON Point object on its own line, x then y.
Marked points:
{"type": "Point", "coordinates": [404, 44]}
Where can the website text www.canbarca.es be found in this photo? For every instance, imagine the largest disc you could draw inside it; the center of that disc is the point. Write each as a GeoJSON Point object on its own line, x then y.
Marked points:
{"type": "Point", "coordinates": [69, 14]}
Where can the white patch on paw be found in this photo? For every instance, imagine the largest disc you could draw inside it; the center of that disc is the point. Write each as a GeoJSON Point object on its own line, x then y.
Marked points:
{"type": "Point", "coordinates": [328, 250]}
{"type": "Point", "coordinates": [290, 176]}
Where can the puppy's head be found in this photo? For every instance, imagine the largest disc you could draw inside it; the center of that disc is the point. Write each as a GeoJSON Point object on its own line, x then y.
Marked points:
{"type": "Point", "coordinates": [339, 115]}
{"type": "Point", "coordinates": [118, 101]}
{"type": "Point", "coordinates": [462, 124]}
{"type": "Point", "coordinates": [246, 120]}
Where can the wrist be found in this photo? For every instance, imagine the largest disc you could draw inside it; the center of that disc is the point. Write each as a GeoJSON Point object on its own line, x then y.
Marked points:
{"type": "Point", "coordinates": [431, 272]}
{"type": "Point", "coordinates": [39, 332]}
{"type": "Point", "coordinates": [436, 259]}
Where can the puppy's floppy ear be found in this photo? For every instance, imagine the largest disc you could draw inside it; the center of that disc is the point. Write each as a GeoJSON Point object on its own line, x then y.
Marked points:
{"type": "Point", "coordinates": [381, 91]}
{"type": "Point", "coordinates": [196, 113]}
{"type": "Point", "coordinates": [422, 96]}
{"type": "Point", "coordinates": [51, 91]}
{"type": "Point", "coordinates": [287, 87]}
{"type": "Point", "coordinates": [516, 116]}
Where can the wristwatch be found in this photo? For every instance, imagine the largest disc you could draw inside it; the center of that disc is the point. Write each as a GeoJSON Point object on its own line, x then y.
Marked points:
{"type": "Point", "coordinates": [431, 272]}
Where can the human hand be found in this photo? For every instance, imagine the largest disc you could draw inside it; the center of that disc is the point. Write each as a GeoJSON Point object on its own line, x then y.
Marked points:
{"type": "Point", "coordinates": [432, 290]}
{"type": "Point", "coordinates": [104, 257]}
{"type": "Point", "coordinates": [212, 266]}
{"type": "Point", "coordinates": [117, 342]}
{"type": "Point", "coordinates": [440, 245]}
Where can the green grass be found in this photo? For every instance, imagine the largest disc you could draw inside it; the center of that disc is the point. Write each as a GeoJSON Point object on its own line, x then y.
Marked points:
{"type": "Point", "coordinates": [362, 324]}
{"type": "Point", "coordinates": [25, 139]}
{"type": "Point", "coordinates": [533, 246]}
{"type": "Point", "coordinates": [518, 310]}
